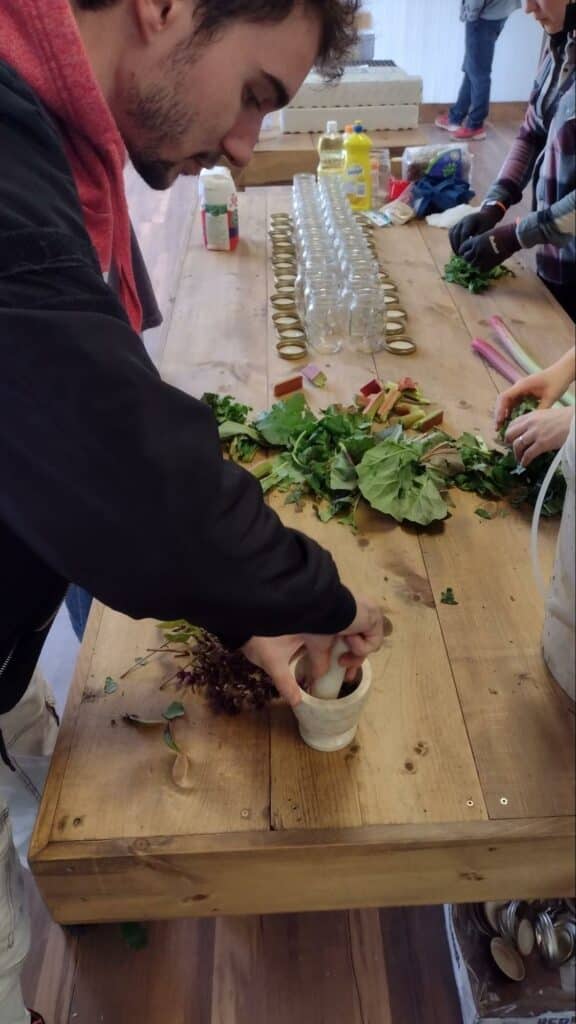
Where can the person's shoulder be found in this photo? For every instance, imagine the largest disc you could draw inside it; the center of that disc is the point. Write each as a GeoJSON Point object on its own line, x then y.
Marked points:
{"type": "Point", "coordinates": [37, 188]}
{"type": "Point", "coordinates": [19, 104]}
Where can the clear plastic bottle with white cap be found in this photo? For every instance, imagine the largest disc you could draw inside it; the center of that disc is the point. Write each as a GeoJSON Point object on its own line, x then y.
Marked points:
{"type": "Point", "coordinates": [331, 151]}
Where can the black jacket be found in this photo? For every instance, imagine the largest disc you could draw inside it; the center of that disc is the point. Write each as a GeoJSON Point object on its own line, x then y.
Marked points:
{"type": "Point", "coordinates": [109, 477]}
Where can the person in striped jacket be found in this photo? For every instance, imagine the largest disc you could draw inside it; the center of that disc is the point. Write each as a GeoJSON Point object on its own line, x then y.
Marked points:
{"type": "Point", "coordinates": [544, 153]}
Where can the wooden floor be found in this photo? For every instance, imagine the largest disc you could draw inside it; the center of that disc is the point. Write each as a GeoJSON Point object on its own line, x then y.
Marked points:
{"type": "Point", "coordinates": [359, 967]}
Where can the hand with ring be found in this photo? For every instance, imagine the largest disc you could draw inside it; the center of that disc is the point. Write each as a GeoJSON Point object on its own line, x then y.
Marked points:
{"type": "Point", "coordinates": [543, 430]}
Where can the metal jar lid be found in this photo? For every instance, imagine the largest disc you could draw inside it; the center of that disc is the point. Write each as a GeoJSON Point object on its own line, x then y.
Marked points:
{"type": "Point", "coordinates": [292, 334]}
{"type": "Point", "coordinates": [289, 349]}
{"type": "Point", "coordinates": [400, 346]}
{"type": "Point", "coordinates": [283, 302]}
{"type": "Point", "coordinates": [396, 314]}
{"type": "Point", "coordinates": [284, 320]}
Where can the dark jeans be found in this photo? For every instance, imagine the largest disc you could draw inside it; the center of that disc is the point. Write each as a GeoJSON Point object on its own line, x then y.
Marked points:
{"type": "Point", "coordinates": [78, 604]}
{"type": "Point", "coordinates": [473, 101]}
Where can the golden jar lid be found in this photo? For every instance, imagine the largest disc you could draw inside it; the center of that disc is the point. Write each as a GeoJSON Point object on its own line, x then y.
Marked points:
{"type": "Point", "coordinates": [283, 302]}
{"type": "Point", "coordinates": [388, 286]}
{"type": "Point", "coordinates": [297, 334]}
{"type": "Point", "coordinates": [275, 217]}
{"type": "Point", "coordinates": [393, 327]}
{"type": "Point", "coordinates": [288, 349]}
{"type": "Point", "coordinates": [284, 320]}
{"type": "Point", "coordinates": [396, 314]}
{"type": "Point", "coordinates": [400, 346]}
{"type": "Point", "coordinates": [280, 264]}
{"type": "Point", "coordinates": [391, 298]}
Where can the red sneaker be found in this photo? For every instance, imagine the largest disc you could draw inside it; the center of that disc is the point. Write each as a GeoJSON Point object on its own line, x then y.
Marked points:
{"type": "Point", "coordinates": [465, 134]}
{"type": "Point", "coordinates": [35, 1018]}
{"type": "Point", "coordinates": [443, 121]}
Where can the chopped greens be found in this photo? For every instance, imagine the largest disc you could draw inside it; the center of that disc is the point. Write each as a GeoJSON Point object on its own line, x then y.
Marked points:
{"type": "Point", "coordinates": [348, 452]}
{"type": "Point", "coordinates": [459, 271]}
{"type": "Point", "coordinates": [226, 408]}
{"type": "Point", "coordinates": [447, 596]}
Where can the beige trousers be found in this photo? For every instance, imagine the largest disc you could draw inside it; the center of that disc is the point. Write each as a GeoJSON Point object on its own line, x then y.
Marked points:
{"type": "Point", "coordinates": [29, 732]}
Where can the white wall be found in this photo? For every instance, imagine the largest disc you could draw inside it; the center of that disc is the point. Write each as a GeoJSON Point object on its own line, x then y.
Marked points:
{"type": "Point", "coordinates": [426, 37]}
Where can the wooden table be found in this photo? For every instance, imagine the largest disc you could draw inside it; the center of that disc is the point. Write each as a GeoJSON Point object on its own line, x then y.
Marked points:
{"type": "Point", "coordinates": [460, 785]}
{"type": "Point", "coordinates": [276, 161]}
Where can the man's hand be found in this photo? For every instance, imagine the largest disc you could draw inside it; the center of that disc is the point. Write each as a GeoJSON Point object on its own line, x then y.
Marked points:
{"type": "Point", "coordinates": [544, 430]}
{"type": "Point", "coordinates": [275, 655]}
{"type": "Point", "coordinates": [474, 224]}
{"type": "Point", "coordinates": [491, 249]}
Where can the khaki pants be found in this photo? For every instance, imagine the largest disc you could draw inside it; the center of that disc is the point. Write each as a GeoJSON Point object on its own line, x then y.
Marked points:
{"type": "Point", "coordinates": [29, 732]}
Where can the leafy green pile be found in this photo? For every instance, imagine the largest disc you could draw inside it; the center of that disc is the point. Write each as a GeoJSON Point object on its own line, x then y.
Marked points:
{"type": "Point", "coordinates": [344, 454]}
{"type": "Point", "coordinates": [459, 271]}
{"type": "Point", "coordinates": [495, 474]}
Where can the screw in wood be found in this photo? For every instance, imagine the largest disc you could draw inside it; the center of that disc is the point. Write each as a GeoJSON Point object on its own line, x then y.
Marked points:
{"type": "Point", "coordinates": [504, 801]}
{"type": "Point", "coordinates": [469, 803]}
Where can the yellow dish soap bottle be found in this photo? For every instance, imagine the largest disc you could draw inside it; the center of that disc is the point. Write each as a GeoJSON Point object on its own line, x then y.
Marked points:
{"type": "Point", "coordinates": [357, 169]}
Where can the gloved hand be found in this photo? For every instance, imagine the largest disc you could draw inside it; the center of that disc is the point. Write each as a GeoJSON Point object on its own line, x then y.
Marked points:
{"type": "Point", "coordinates": [474, 224]}
{"type": "Point", "coordinates": [490, 249]}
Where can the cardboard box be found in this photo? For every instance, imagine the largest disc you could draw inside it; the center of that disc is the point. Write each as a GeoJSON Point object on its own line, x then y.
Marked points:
{"type": "Point", "coordinates": [546, 996]}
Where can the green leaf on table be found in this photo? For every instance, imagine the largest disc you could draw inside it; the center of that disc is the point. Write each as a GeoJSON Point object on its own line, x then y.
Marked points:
{"type": "Point", "coordinates": [146, 722]}
{"type": "Point", "coordinates": [229, 429]}
{"type": "Point", "coordinates": [179, 631]}
{"type": "Point", "coordinates": [110, 685]}
{"type": "Point", "coordinates": [174, 710]}
{"type": "Point", "coordinates": [343, 475]}
{"type": "Point", "coordinates": [459, 271]}
{"type": "Point", "coordinates": [169, 739]}
{"type": "Point", "coordinates": [395, 482]}
{"type": "Point", "coordinates": [135, 935]}
{"type": "Point", "coordinates": [280, 472]}
{"type": "Point", "coordinates": [284, 420]}
{"type": "Point", "coordinates": [484, 513]}
{"type": "Point", "coordinates": [226, 408]}
{"type": "Point", "coordinates": [447, 596]}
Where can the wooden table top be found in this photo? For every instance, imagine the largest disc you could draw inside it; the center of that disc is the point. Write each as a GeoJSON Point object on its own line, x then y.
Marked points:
{"type": "Point", "coordinates": [460, 785]}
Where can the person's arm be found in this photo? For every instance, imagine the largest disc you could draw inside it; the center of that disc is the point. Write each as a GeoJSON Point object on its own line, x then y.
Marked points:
{"type": "Point", "coordinates": [111, 476]}
{"type": "Point", "coordinates": [547, 386]}
{"type": "Point", "coordinates": [507, 190]}
{"type": "Point", "coordinates": [518, 167]}
{"type": "Point", "coordinates": [556, 225]}
{"type": "Point", "coordinates": [472, 9]}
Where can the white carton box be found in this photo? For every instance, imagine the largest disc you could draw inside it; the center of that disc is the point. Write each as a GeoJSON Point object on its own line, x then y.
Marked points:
{"type": "Point", "coordinates": [313, 119]}
{"type": "Point", "coordinates": [362, 86]}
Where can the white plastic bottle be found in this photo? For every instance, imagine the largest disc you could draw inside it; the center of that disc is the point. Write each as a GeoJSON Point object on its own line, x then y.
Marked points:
{"type": "Point", "coordinates": [331, 151]}
{"type": "Point", "coordinates": [219, 208]}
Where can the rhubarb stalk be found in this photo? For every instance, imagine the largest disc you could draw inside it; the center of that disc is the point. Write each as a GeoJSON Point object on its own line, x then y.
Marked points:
{"type": "Point", "coordinates": [496, 360]}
